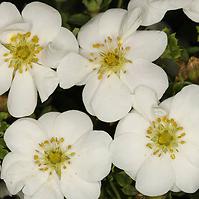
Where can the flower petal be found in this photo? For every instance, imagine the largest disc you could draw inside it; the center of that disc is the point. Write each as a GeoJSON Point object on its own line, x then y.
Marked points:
{"type": "Point", "coordinates": [93, 161]}
{"type": "Point", "coordinates": [129, 151]}
{"type": "Point", "coordinates": [74, 187]}
{"type": "Point", "coordinates": [22, 98]}
{"type": "Point", "coordinates": [15, 176]}
{"type": "Point", "coordinates": [133, 122]}
{"type": "Point", "coordinates": [111, 21]}
{"type": "Point", "coordinates": [46, 80]}
{"type": "Point", "coordinates": [89, 92]}
{"type": "Point", "coordinates": [46, 21]}
{"type": "Point", "coordinates": [185, 104]}
{"type": "Point", "coordinates": [131, 22]}
{"type": "Point", "coordinates": [155, 177]}
{"type": "Point", "coordinates": [66, 125]}
{"type": "Point", "coordinates": [62, 44]}
{"type": "Point", "coordinates": [112, 100]}
{"type": "Point", "coordinates": [166, 104]}
{"type": "Point", "coordinates": [73, 69]}
{"type": "Point", "coordinates": [191, 152]}
{"type": "Point", "coordinates": [49, 190]}
{"type": "Point", "coordinates": [192, 10]}
{"type": "Point", "coordinates": [90, 31]}
{"type": "Point", "coordinates": [47, 121]}
{"type": "Point", "coordinates": [144, 73]}
{"type": "Point", "coordinates": [5, 78]}
{"type": "Point", "coordinates": [186, 181]}
{"type": "Point", "coordinates": [9, 14]}
{"type": "Point", "coordinates": [143, 106]}
{"type": "Point", "coordinates": [34, 182]}
{"type": "Point", "coordinates": [152, 11]}
{"type": "Point", "coordinates": [26, 131]}
{"type": "Point", "coordinates": [147, 45]}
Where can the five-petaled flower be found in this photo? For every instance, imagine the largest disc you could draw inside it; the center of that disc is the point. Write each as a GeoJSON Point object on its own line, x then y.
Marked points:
{"type": "Point", "coordinates": [58, 155]}
{"type": "Point", "coordinates": [158, 145]}
{"type": "Point", "coordinates": [31, 44]}
{"type": "Point", "coordinates": [114, 60]}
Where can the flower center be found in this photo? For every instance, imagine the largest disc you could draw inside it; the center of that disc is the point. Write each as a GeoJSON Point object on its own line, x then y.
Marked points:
{"type": "Point", "coordinates": [53, 156]}
{"type": "Point", "coordinates": [23, 51]}
{"type": "Point", "coordinates": [111, 57]}
{"type": "Point", "coordinates": [165, 136]}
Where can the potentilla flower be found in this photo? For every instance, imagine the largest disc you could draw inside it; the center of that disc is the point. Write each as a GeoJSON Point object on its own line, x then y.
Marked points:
{"type": "Point", "coordinates": [154, 11]}
{"type": "Point", "coordinates": [115, 58]}
{"type": "Point", "coordinates": [31, 44]}
{"type": "Point", "coordinates": [58, 155]}
{"type": "Point", "coordinates": [158, 145]}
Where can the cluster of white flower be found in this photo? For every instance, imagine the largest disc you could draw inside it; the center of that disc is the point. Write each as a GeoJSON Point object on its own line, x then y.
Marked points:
{"type": "Point", "coordinates": [60, 155]}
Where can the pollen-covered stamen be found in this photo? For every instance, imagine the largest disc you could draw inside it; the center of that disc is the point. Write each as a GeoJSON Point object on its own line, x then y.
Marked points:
{"type": "Point", "coordinates": [53, 155]}
{"type": "Point", "coordinates": [111, 57]}
{"type": "Point", "coordinates": [165, 136]}
{"type": "Point", "coordinates": [23, 51]}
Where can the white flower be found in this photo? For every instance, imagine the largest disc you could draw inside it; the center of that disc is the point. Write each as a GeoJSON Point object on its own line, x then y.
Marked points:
{"type": "Point", "coordinates": [31, 44]}
{"type": "Point", "coordinates": [114, 60]}
{"type": "Point", "coordinates": [158, 146]}
{"type": "Point", "coordinates": [58, 155]}
{"type": "Point", "coordinates": [154, 11]}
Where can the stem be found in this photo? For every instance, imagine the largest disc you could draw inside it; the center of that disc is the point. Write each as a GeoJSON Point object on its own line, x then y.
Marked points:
{"type": "Point", "coordinates": [115, 190]}
{"type": "Point", "coordinates": [119, 4]}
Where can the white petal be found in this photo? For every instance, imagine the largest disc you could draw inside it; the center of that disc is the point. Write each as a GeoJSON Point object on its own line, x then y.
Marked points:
{"type": "Point", "coordinates": [73, 69]}
{"type": "Point", "coordinates": [92, 161]}
{"type": "Point", "coordinates": [9, 14]}
{"type": "Point", "coordinates": [166, 104]}
{"type": "Point", "coordinates": [191, 152]}
{"type": "Point", "coordinates": [155, 177]}
{"type": "Point", "coordinates": [147, 45]}
{"type": "Point", "coordinates": [22, 98]}
{"type": "Point", "coordinates": [185, 109]}
{"type": "Point", "coordinates": [46, 80]}
{"type": "Point", "coordinates": [152, 11]}
{"type": "Point", "coordinates": [47, 121]}
{"type": "Point", "coordinates": [9, 160]}
{"type": "Point", "coordinates": [74, 187]}
{"type": "Point", "coordinates": [144, 73]}
{"type": "Point", "coordinates": [112, 99]}
{"type": "Point", "coordinates": [15, 176]}
{"type": "Point", "coordinates": [46, 21]}
{"type": "Point", "coordinates": [71, 125]}
{"type": "Point", "coordinates": [5, 78]}
{"type": "Point", "coordinates": [89, 92]}
{"type": "Point", "coordinates": [34, 182]}
{"type": "Point", "coordinates": [177, 4]}
{"type": "Point", "coordinates": [90, 31]}
{"type": "Point", "coordinates": [50, 190]}
{"type": "Point", "coordinates": [129, 151]}
{"type": "Point", "coordinates": [144, 100]}
{"type": "Point", "coordinates": [13, 29]}
{"type": "Point", "coordinates": [133, 122]}
{"type": "Point", "coordinates": [111, 21]}
{"type": "Point", "coordinates": [63, 43]}
{"type": "Point", "coordinates": [192, 10]}
{"type": "Point", "coordinates": [24, 131]}
{"type": "Point", "coordinates": [187, 176]}
{"type": "Point", "coordinates": [131, 22]}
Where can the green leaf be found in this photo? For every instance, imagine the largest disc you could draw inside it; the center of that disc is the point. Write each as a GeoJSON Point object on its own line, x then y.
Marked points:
{"type": "Point", "coordinates": [173, 50]}
{"type": "Point", "coordinates": [78, 19]}
{"type": "Point", "coordinates": [3, 152]}
{"type": "Point", "coordinates": [197, 28]}
{"type": "Point", "coordinates": [129, 190]}
{"type": "Point", "coordinates": [123, 179]}
{"type": "Point", "coordinates": [92, 5]}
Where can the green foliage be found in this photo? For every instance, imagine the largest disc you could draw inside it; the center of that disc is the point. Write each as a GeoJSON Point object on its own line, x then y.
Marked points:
{"type": "Point", "coordinates": [173, 50]}
{"type": "Point", "coordinates": [3, 127]}
{"type": "Point", "coordinates": [197, 28]}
